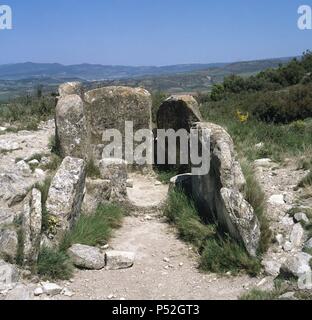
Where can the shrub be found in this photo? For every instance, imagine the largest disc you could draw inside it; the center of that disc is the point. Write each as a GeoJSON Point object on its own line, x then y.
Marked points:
{"type": "Point", "coordinates": [182, 212]}
{"type": "Point", "coordinates": [54, 264]}
{"type": "Point", "coordinates": [217, 255]}
{"type": "Point", "coordinates": [306, 181]}
{"type": "Point", "coordinates": [223, 255]}
{"type": "Point", "coordinates": [92, 170]}
{"type": "Point", "coordinates": [256, 294]}
{"type": "Point", "coordinates": [94, 229]}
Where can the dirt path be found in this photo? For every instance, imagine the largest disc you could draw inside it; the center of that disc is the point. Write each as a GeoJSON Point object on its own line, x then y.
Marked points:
{"type": "Point", "coordinates": [165, 267]}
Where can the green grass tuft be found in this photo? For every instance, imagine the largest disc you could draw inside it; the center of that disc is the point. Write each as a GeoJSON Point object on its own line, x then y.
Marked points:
{"type": "Point", "coordinates": [54, 264]}
{"type": "Point", "coordinates": [256, 197]}
{"type": "Point", "coordinates": [95, 229]}
{"type": "Point", "coordinates": [92, 170]}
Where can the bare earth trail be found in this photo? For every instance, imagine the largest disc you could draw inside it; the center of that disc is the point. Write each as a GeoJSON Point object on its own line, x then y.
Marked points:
{"type": "Point", "coordinates": [164, 268]}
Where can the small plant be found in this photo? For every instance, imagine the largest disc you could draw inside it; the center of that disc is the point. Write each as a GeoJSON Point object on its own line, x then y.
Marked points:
{"type": "Point", "coordinates": [256, 294]}
{"type": "Point", "coordinates": [306, 181]}
{"type": "Point", "coordinates": [54, 264]}
{"type": "Point", "coordinates": [54, 145]}
{"type": "Point", "coordinates": [223, 255]}
{"type": "Point", "coordinates": [94, 229]}
{"type": "Point", "coordinates": [92, 170]}
{"type": "Point", "coordinates": [182, 212]}
{"type": "Point", "coordinates": [164, 175]}
{"type": "Point", "coordinates": [256, 197]}
{"type": "Point", "coordinates": [54, 163]}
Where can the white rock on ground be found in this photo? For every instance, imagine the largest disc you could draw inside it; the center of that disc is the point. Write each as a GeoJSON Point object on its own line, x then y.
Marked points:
{"type": "Point", "coordinates": [277, 199]}
{"type": "Point", "coordinates": [119, 260]}
{"type": "Point", "coordinates": [23, 168]}
{"type": "Point", "coordinates": [38, 292]}
{"type": "Point", "coordinates": [87, 257]}
{"type": "Point", "coordinates": [297, 265]}
{"type": "Point", "coordinates": [51, 289]}
{"type": "Point", "coordinates": [7, 146]}
{"type": "Point", "coordinates": [297, 235]}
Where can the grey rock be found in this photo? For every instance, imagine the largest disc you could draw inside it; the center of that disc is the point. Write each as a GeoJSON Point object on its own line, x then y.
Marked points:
{"type": "Point", "coordinates": [128, 104]}
{"type": "Point", "coordinates": [87, 257]}
{"type": "Point", "coordinates": [38, 291]}
{"type": "Point", "coordinates": [24, 168]}
{"type": "Point", "coordinates": [71, 88]}
{"type": "Point", "coordinates": [20, 292]}
{"type": "Point", "coordinates": [97, 191]}
{"type": "Point", "coordinates": [277, 199]}
{"type": "Point", "coordinates": [288, 296]}
{"type": "Point", "coordinates": [301, 217]}
{"type": "Point", "coordinates": [51, 289]}
{"type": "Point", "coordinates": [13, 188]}
{"type": "Point", "coordinates": [6, 217]}
{"type": "Point", "coordinates": [297, 265]}
{"type": "Point", "coordinates": [66, 194]}
{"type": "Point", "coordinates": [119, 260]}
{"type": "Point", "coordinates": [8, 146]}
{"type": "Point", "coordinates": [297, 236]}
{"type": "Point", "coordinates": [71, 126]}
{"type": "Point", "coordinates": [32, 223]}
{"type": "Point", "coordinates": [115, 170]}
{"type": "Point", "coordinates": [308, 244]}
{"type": "Point", "coordinates": [8, 243]}
{"type": "Point", "coordinates": [9, 274]}
{"type": "Point", "coordinates": [271, 267]}
{"type": "Point", "coordinates": [263, 163]}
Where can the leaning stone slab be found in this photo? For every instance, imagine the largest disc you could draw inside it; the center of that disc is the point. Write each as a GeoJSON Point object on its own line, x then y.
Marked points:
{"type": "Point", "coordinates": [219, 194]}
{"type": "Point", "coordinates": [119, 260]}
{"type": "Point", "coordinates": [66, 193]}
{"type": "Point", "coordinates": [87, 257]}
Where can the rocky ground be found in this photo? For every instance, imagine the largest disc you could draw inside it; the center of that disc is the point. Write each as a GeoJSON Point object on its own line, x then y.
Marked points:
{"type": "Point", "coordinates": [164, 267]}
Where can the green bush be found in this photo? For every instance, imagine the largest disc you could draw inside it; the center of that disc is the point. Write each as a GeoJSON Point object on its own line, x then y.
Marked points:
{"type": "Point", "coordinates": [182, 212]}
{"type": "Point", "coordinates": [54, 264]}
{"type": "Point", "coordinates": [217, 255]}
{"type": "Point", "coordinates": [92, 170]}
{"type": "Point", "coordinates": [223, 255]}
{"type": "Point", "coordinates": [256, 294]}
{"type": "Point", "coordinates": [94, 229]}
{"type": "Point", "coordinates": [306, 181]}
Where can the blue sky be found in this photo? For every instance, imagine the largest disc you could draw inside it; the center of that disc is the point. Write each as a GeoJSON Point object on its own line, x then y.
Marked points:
{"type": "Point", "coordinates": [150, 32]}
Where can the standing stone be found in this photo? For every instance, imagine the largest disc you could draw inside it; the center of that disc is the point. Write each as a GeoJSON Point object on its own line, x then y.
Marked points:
{"type": "Point", "coordinates": [115, 170]}
{"type": "Point", "coordinates": [66, 194]}
{"type": "Point", "coordinates": [70, 88]}
{"type": "Point", "coordinates": [219, 193]}
{"type": "Point", "coordinates": [178, 112]}
{"type": "Point", "coordinates": [32, 223]}
{"type": "Point", "coordinates": [71, 126]}
{"type": "Point", "coordinates": [109, 108]}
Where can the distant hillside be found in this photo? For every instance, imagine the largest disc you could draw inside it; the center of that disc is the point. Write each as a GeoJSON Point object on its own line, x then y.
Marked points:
{"type": "Point", "coordinates": [20, 79]}
{"type": "Point", "coordinates": [91, 72]}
